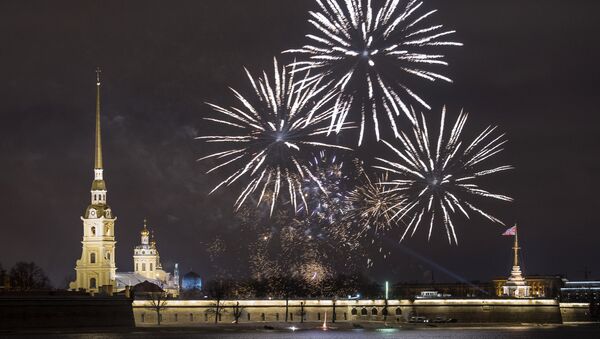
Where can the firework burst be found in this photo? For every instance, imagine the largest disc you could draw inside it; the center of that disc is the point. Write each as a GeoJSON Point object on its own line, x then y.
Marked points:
{"type": "Point", "coordinates": [373, 206]}
{"type": "Point", "coordinates": [371, 54]}
{"type": "Point", "coordinates": [440, 178]}
{"type": "Point", "coordinates": [280, 124]}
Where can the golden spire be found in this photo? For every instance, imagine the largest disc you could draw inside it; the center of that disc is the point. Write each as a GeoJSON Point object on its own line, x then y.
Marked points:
{"type": "Point", "coordinates": [98, 157]}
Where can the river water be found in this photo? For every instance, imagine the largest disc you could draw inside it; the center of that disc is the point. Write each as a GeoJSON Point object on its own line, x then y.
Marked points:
{"type": "Point", "coordinates": [569, 332]}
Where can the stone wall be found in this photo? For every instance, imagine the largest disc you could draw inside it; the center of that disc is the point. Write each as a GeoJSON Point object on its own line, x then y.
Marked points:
{"type": "Point", "coordinates": [202, 312]}
{"type": "Point", "coordinates": [18, 312]}
{"type": "Point", "coordinates": [575, 312]}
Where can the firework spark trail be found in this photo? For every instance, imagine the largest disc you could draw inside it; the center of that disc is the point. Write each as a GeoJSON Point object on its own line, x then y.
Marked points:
{"type": "Point", "coordinates": [276, 128]}
{"type": "Point", "coordinates": [439, 179]}
{"type": "Point", "coordinates": [370, 53]}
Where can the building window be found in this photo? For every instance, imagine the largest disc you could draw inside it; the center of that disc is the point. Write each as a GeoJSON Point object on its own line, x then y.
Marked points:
{"type": "Point", "coordinates": [150, 266]}
{"type": "Point", "coordinates": [248, 315]}
{"type": "Point", "coordinates": [373, 311]}
{"type": "Point", "coordinates": [175, 316]}
{"type": "Point", "coordinates": [398, 311]}
{"type": "Point", "coordinates": [345, 316]}
{"type": "Point", "coordinates": [219, 316]}
{"type": "Point", "coordinates": [277, 316]}
{"type": "Point", "coordinates": [108, 256]}
{"type": "Point", "coordinates": [143, 317]}
{"type": "Point", "coordinates": [262, 316]}
{"type": "Point", "coordinates": [93, 258]}
{"type": "Point", "coordinates": [92, 282]}
{"type": "Point", "coordinates": [205, 316]}
{"type": "Point", "coordinates": [384, 312]}
{"type": "Point", "coordinates": [137, 266]}
{"type": "Point", "coordinates": [291, 316]}
{"type": "Point", "coordinates": [354, 311]}
{"type": "Point", "coordinates": [143, 266]}
{"type": "Point", "coordinates": [364, 311]}
{"type": "Point", "coordinates": [93, 230]}
{"type": "Point", "coordinates": [319, 316]}
{"type": "Point", "coordinates": [191, 317]}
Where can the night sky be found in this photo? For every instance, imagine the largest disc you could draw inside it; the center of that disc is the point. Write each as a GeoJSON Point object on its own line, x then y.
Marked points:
{"type": "Point", "coordinates": [530, 67]}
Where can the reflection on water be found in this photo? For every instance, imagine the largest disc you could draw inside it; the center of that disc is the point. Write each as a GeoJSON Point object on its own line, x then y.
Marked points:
{"type": "Point", "coordinates": [512, 333]}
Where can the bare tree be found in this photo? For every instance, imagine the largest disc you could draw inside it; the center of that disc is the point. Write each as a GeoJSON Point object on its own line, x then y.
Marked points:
{"type": "Point", "coordinates": [158, 303]}
{"type": "Point", "coordinates": [216, 308]}
{"type": "Point", "coordinates": [302, 312]}
{"type": "Point", "coordinates": [26, 276]}
{"type": "Point", "coordinates": [237, 311]}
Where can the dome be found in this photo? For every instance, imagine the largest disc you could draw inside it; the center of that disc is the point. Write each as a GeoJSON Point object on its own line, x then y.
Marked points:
{"type": "Point", "coordinates": [98, 185]}
{"type": "Point", "coordinates": [145, 231]}
{"type": "Point", "coordinates": [98, 211]}
{"type": "Point", "coordinates": [191, 281]}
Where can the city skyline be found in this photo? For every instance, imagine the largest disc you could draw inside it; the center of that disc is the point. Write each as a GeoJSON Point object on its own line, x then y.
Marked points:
{"type": "Point", "coordinates": [154, 90]}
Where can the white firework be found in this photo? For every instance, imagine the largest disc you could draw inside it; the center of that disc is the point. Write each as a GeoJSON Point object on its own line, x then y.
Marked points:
{"type": "Point", "coordinates": [280, 124]}
{"type": "Point", "coordinates": [371, 54]}
{"type": "Point", "coordinates": [439, 178]}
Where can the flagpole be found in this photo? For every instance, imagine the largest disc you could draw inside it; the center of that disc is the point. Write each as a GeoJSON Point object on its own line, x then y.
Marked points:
{"type": "Point", "coordinates": [516, 248]}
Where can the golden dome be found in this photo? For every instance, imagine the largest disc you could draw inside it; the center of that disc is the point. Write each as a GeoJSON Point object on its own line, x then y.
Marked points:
{"type": "Point", "coordinates": [145, 231]}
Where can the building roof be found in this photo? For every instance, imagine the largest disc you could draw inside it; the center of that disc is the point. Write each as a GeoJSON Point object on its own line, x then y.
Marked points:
{"type": "Point", "coordinates": [146, 287]}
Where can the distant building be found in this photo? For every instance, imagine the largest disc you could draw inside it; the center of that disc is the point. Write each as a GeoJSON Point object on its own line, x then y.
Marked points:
{"type": "Point", "coordinates": [191, 281]}
{"type": "Point", "coordinates": [147, 267]}
{"type": "Point", "coordinates": [581, 291]}
{"type": "Point", "coordinates": [473, 289]}
{"type": "Point", "coordinates": [541, 286]}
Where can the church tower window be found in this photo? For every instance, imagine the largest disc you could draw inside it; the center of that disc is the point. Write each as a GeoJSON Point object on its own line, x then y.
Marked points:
{"type": "Point", "coordinates": [92, 282]}
{"type": "Point", "coordinates": [93, 258]}
{"type": "Point", "coordinates": [93, 230]}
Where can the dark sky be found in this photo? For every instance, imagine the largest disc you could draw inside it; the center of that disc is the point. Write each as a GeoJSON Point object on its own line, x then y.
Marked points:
{"type": "Point", "coordinates": [528, 66]}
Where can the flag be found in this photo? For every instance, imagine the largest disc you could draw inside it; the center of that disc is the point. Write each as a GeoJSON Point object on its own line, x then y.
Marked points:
{"type": "Point", "coordinates": [511, 231]}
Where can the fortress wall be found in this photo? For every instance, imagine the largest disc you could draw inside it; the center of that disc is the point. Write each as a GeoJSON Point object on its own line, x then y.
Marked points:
{"type": "Point", "coordinates": [64, 312]}
{"type": "Point", "coordinates": [575, 312]}
{"type": "Point", "coordinates": [202, 312]}
{"type": "Point", "coordinates": [492, 310]}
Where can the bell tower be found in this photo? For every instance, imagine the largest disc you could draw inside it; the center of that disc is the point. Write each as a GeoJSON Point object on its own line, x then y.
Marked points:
{"type": "Point", "coordinates": [96, 268]}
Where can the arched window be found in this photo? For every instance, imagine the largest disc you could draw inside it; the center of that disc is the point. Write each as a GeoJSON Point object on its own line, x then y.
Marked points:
{"type": "Point", "coordinates": [92, 282]}
{"type": "Point", "coordinates": [364, 311]}
{"type": "Point", "coordinates": [373, 311]}
{"type": "Point", "coordinates": [398, 311]}
{"type": "Point", "coordinates": [354, 311]}
{"type": "Point", "coordinates": [93, 258]}
{"type": "Point", "coordinates": [384, 312]}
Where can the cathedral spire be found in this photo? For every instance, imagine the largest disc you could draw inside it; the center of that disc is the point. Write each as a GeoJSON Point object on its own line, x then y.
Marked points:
{"type": "Point", "coordinates": [98, 155]}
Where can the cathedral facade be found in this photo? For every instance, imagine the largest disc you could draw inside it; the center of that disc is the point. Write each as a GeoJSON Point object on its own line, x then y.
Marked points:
{"type": "Point", "coordinates": [96, 270]}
